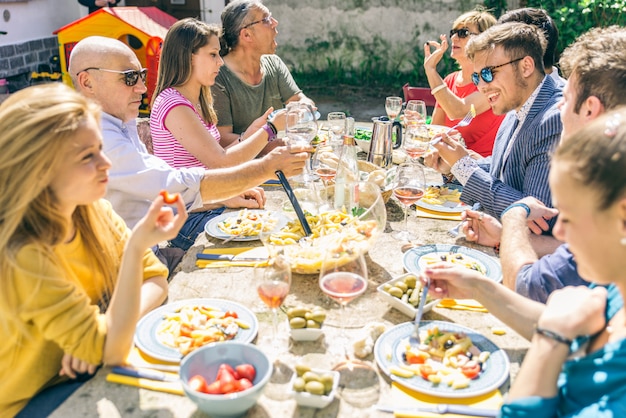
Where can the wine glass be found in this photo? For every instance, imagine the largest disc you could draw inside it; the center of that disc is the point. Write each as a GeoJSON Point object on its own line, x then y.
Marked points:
{"type": "Point", "coordinates": [343, 278]}
{"type": "Point", "coordinates": [336, 129]}
{"type": "Point", "coordinates": [415, 113]}
{"type": "Point", "coordinates": [408, 188]}
{"type": "Point", "coordinates": [301, 128]}
{"type": "Point", "coordinates": [273, 283]}
{"type": "Point", "coordinates": [393, 106]}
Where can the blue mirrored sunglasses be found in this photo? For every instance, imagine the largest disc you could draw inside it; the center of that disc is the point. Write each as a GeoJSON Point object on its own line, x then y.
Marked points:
{"type": "Point", "coordinates": [487, 73]}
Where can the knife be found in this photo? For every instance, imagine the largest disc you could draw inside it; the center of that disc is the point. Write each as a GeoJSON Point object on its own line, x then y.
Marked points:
{"type": "Point", "coordinates": [145, 374]}
{"type": "Point", "coordinates": [227, 257]}
{"type": "Point", "coordinates": [441, 409]}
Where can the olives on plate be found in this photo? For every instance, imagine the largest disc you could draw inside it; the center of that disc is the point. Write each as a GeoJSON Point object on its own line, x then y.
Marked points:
{"type": "Point", "coordinates": [300, 317]}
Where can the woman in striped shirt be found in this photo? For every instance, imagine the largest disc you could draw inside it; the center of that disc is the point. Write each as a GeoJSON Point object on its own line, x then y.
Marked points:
{"type": "Point", "coordinates": [182, 120]}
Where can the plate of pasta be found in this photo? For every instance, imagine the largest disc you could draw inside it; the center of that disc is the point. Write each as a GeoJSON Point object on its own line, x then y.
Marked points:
{"type": "Point", "coordinates": [171, 331]}
{"type": "Point", "coordinates": [419, 258]}
{"type": "Point", "coordinates": [443, 198]}
{"type": "Point", "coordinates": [243, 225]}
{"type": "Point", "coordinates": [452, 361]}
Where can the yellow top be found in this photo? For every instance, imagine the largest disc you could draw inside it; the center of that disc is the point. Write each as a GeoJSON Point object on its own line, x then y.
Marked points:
{"type": "Point", "coordinates": [58, 313]}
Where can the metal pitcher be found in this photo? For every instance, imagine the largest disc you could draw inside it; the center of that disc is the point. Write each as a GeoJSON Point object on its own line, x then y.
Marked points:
{"type": "Point", "coordinates": [382, 145]}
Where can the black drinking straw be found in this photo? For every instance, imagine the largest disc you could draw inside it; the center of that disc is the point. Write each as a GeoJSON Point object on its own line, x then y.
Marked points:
{"type": "Point", "coordinates": [294, 202]}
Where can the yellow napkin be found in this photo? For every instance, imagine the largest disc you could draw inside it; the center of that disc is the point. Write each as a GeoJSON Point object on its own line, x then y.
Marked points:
{"type": "Point", "coordinates": [136, 358]}
{"type": "Point", "coordinates": [427, 213]}
{"type": "Point", "coordinates": [254, 252]}
{"type": "Point", "coordinates": [170, 387]}
{"type": "Point", "coordinates": [462, 304]}
{"type": "Point", "coordinates": [403, 397]}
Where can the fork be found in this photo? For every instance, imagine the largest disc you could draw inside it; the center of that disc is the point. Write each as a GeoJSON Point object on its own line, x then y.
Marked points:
{"type": "Point", "coordinates": [464, 122]}
{"type": "Point", "coordinates": [454, 232]}
{"type": "Point", "coordinates": [414, 339]}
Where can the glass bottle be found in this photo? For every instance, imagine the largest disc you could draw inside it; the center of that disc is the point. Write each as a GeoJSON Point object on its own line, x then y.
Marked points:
{"type": "Point", "coordinates": [347, 175]}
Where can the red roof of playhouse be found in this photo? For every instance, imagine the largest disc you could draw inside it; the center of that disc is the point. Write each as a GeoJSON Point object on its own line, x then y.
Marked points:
{"type": "Point", "coordinates": [150, 20]}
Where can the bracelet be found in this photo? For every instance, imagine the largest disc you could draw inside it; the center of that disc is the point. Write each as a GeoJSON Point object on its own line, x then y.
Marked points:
{"type": "Point", "coordinates": [516, 205]}
{"type": "Point", "coordinates": [271, 135]}
{"type": "Point", "coordinates": [272, 127]}
{"type": "Point", "coordinates": [438, 88]}
{"type": "Point", "coordinates": [553, 336]}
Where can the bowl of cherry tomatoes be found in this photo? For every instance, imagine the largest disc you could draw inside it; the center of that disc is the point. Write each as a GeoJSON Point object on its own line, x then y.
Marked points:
{"type": "Point", "coordinates": [225, 379]}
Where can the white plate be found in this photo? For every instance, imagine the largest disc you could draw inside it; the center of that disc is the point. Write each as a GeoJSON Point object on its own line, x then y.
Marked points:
{"type": "Point", "coordinates": [390, 346]}
{"type": "Point", "coordinates": [146, 336]}
{"type": "Point", "coordinates": [447, 207]}
{"type": "Point", "coordinates": [404, 307]}
{"type": "Point", "coordinates": [414, 263]}
{"type": "Point", "coordinates": [212, 228]}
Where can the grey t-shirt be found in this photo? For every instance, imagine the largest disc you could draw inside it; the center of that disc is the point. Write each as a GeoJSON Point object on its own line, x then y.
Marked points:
{"type": "Point", "coordinates": [238, 103]}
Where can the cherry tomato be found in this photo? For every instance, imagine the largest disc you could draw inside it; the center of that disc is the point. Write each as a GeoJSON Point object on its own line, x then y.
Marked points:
{"type": "Point", "coordinates": [226, 368]}
{"type": "Point", "coordinates": [471, 369]}
{"type": "Point", "coordinates": [198, 383]}
{"type": "Point", "coordinates": [232, 314]}
{"type": "Point", "coordinates": [228, 383]}
{"type": "Point", "coordinates": [246, 371]}
{"type": "Point", "coordinates": [244, 384]}
{"type": "Point", "coordinates": [169, 198]}
{"type": "Point", "coordinates": [426, 370]}
{"type": "Point", "coordinates": [214, 388]}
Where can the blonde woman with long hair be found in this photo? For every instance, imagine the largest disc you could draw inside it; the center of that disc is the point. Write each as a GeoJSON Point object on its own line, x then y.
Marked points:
{"type": "Point", "coordinates": [73, 279]}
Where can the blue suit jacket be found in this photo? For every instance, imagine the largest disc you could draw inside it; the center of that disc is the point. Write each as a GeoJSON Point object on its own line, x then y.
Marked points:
{"type": "Point", "coordinates": [525, 172]}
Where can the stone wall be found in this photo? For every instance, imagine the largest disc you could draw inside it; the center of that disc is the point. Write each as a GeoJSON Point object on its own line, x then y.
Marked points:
{"type": "Point", "coordinates": [18, 61]}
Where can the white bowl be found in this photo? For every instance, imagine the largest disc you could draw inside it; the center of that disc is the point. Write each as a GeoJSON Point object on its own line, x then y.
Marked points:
{"type": "Point", "coordinates": [364, 144]}
{"type": "Point", "coordinates": [315, 401]}
{"type": "Point", "coordinates": [305, 334]}
{"type": "Point", "coordinates": [206, 360]}
{"type": "Point", "coordinates": [404, 307]}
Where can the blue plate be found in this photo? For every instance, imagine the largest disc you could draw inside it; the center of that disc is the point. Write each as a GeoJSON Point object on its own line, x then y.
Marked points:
{"type": "Point", "coordinates": [414, 263]}
{"type": "Point", "coordinates": [146, 332]}
{"type": "Point", "coordinates": [212, 228]}
{"type": "Point", "coordinates": [390, 346]}
{"type": "Point", "coordinates": [447, 207]}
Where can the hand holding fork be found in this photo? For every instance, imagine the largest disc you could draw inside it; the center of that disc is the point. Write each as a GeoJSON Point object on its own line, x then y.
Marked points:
{"type": "Point", "coordinates": [464, 122]}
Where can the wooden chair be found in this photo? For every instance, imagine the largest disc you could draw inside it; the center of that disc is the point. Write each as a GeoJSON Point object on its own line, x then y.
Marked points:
{"type": "Point", "coordinates": [419, 93]}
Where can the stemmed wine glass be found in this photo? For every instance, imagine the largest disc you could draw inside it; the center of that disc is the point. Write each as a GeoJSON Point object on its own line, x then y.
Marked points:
{"type": "Point", "coordinates": [408, 188]}
{"type": "Point", "coordinates": [301, 128]}
{"type": "Point", "coordinates": [343, 277]}
{"type": "Point", "coordinates": [393, 106]}
{"type": "Point", "coordinates": [273, 283]}
{"type": "Point", "coordinates": [416, 140]}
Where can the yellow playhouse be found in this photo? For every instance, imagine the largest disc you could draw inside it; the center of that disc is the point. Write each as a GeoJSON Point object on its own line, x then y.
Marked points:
{"type": "Point", "coordinates": [141, 28]}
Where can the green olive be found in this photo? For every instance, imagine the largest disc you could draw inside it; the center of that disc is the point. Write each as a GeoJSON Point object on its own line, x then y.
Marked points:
{"type": "Point", "coordinates": [296, 312]}
{"type": "Point", "coordinates": [410, 281]}
{"type": "Point", "coordinates": [297, 322]}
{"type": "Point", "coordinates": [301, 369]}
{"type": "Point", "coordinates": [299, 384]}
{"type": "Point", "coordinates": [401, 285]}
{"type": "Point", "coordinates": [386, 287]}
{"type": "Point", "coordinates": [327, 380]}
{"type": "Point", "coordinates": [314, 387]}
{"type": "Point", "coordinates": [310, 376]}
{"type": "Point", "coordinates": [312, 324]}
{"type": "Point", "coordinates": [308, 315]}
{"type": "Point", "coordinates": [318, 316]}
{"type": "Point", "coordinates": [396, 292]}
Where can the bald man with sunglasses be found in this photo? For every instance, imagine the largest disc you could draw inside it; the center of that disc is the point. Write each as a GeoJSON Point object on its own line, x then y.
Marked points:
{"type": "Point", "coordinates": [508, 70]}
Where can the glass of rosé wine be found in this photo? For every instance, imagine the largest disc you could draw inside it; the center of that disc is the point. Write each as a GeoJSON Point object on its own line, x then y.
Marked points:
{"type": "Point", "coordinates": [343, 278]}
{"type": "Point", "coordinates": [408, 188]}
{"type": "Point", "coordinates": [273, 282]}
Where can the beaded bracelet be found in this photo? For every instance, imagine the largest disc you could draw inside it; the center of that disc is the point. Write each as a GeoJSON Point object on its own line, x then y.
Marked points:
{"type": "Point", "coordinates": [553, 336]}
{"type": "Point", "coordinates": [516, 205]}
{"type": "Point", "coordinates": [438, 88]}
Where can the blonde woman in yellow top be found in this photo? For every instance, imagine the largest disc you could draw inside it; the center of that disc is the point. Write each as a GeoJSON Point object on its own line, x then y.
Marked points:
{"type": "Point", "coordinates": [73, 279]}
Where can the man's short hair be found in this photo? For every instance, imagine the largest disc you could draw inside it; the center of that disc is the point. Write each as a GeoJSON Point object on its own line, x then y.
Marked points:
{"type": "Point", "coordinates": [517, 39]}
{"type": "Point", "coordinates": [541, 19]}
{"type": "Point", "coordinates": [598, 60]}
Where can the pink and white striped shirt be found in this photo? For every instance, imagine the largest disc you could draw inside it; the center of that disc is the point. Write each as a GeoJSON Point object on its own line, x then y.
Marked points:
{"type": "Point", "coordinates": [165, 145]}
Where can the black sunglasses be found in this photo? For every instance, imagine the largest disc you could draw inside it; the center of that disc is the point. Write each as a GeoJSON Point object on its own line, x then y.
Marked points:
{"type": "Point", "coordinates": [461, 33]}
{"type": "Point", "coordinates": [130, 76]}
{"type": "Point", "coordinates": [487, 73]}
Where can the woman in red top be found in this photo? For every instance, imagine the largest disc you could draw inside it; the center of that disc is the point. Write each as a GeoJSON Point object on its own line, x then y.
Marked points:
{"type": "Point", "coordinates": [456, 93]}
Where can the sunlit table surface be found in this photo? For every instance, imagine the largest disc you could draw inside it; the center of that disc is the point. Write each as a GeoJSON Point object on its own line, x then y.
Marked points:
{"type": "Point", "coordinates": [98, 398]}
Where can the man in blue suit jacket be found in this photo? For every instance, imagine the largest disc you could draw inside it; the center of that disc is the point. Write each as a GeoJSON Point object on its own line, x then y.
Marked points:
{"type": "Point", "coordinates": [508, 64]}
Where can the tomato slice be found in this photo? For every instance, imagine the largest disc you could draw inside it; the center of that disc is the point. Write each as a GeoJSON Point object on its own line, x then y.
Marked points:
{"type": "Point", "coordinates": [426, 370]}
{"type": "Point", "coordinates": [232, 314]}
{"type": "Point", "coordinates": [169, 198]}
{"type": "Point", "coordinates": [415, 358]}
{"type": "Point", "coordinates": [471, 369]}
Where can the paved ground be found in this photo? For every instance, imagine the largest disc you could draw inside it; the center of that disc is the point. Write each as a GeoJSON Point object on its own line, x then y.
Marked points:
{"type": "Point", "coordinates": [354, 103]}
